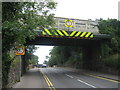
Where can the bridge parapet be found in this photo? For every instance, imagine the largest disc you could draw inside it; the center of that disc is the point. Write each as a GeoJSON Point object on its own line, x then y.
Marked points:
{"type": "Point", "coordinates": [77, 25]}
{"type": "Point", "coordinates": [71, 34]}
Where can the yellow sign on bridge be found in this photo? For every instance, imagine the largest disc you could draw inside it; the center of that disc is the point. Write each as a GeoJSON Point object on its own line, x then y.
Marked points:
{"type": "Point", "coordinates": [68, 23]}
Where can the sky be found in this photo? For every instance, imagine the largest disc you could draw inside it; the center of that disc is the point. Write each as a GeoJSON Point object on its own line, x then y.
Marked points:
{"type": "Point", "coordinates": [42, 52]}
{"type": "Point", "coordinates": [87, 9]}
{"type": "Point", "coordinates": [81, 9]}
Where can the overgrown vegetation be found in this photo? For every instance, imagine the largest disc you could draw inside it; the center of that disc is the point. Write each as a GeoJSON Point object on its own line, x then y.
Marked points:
{"type": "Point", "coordinates": [111, 27]}
{"type": "Point", "coordinates": [65, 55]}
{"type": "Point", "coordinates": [111, 51]}
{"type": "Point", "coordinates": [72, 56]}
{"type": "Point", "coordinates": [33, 60]}
{"type": "Point", "coordinates": [18, 21]}
{"type": "Point", "coordinates": [112, 61]}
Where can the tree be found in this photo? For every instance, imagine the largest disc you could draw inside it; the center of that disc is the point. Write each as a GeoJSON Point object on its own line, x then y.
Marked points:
{"type": "Point", "coordinates": [47, 57]}
{"type": "Point", "coordinates": [45, 62]}
{"type": "Point", "coordinates": [110, 27]}
{"type": "Point", "coordinates": [33, 60]}
{"type": "Point", "coordinates": [18, 21]}
{"type": "Point", "coordinates": [20, 18]}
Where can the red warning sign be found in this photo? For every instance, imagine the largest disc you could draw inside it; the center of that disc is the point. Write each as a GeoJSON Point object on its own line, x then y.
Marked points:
{"type": "Point", "coordinates": [20, 50]}
{"type": "Point", "coordinates": [68, 23]}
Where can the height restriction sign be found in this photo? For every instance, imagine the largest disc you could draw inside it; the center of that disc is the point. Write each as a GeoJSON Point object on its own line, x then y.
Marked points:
{"type": "Point", "coordinates": [68, 23]}
{"type": "Point", "coordinates": [20, 50]}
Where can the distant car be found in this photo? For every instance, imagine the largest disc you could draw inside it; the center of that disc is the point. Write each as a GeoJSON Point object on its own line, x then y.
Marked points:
{"type": "Point", "coordinates": [44, 65]}
{"type": "Point", "coordinates": [35, 66]}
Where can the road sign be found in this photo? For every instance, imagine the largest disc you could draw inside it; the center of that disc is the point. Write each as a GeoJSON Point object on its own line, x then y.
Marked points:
{"type": "Point", "coordinates": [20, 50]}
{"type": "Point", "coordinates": [68, 23]}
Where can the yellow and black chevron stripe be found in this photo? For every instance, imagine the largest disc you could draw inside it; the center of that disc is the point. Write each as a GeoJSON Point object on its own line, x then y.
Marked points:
{"type": "Point", "coordinates": [81, 34]}
{"type": "Point", "coordinates": [63, 33]}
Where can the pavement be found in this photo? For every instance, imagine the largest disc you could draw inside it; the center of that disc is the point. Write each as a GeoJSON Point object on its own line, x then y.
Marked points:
{"type": "Point", "coordinates": [32, 79]}
{"type": "Point", "coordinates": [66, 78]}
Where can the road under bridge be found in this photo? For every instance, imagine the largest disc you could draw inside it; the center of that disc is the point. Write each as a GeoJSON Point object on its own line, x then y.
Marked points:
{"type": "Point", "coordinates": [89, 42]}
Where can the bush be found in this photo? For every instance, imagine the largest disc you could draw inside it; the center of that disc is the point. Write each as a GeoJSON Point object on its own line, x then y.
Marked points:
{"type": "Point", "coordinates": [112, 61]}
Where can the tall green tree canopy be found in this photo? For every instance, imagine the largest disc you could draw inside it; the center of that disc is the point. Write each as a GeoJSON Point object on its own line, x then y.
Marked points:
{"type": "Point", "coordinates": [111, 27]}
{"type": "Point", "coordinates": [20, 18]}
{"type": "Point", "coordinates": [33, 60]}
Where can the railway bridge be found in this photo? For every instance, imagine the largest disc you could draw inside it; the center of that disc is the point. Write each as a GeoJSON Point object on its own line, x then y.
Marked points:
{"type": "Point", "coordinates": [74, 32]}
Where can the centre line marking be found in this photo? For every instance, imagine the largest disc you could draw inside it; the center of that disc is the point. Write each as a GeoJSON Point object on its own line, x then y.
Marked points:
{"type": "Point", "coordinates": [49, 83]}
{"type": "Point", "coordinates": [86, 83]}
{"type": "Point", "coordinates": [68, 75]}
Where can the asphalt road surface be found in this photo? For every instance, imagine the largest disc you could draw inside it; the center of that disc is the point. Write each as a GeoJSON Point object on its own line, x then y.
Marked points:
{"type": "Point", "coordinates": [55, 78]}
{"type": "Point", "coordinates": [67, 78]}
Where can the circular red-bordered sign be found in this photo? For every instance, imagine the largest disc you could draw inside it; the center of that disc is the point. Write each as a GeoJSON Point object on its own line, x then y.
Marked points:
{"type": "Point", "coordinates": [20, 51]}
{"type": "Point", "coordinates": [68, 23]}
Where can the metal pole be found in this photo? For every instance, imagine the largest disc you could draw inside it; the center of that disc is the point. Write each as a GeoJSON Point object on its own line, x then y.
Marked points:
{"type": "Point", "coordinates": [68, 28]}
{"type": "Point", "coordinates": [20, 67]}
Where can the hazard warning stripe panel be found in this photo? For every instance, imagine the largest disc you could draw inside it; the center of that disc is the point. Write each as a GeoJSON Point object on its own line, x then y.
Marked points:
{"type": "Point", "coordinates": [88, 34]}
{"type": "Point", "coordinates": [63, 33]}
{"type": "Point", "coordinates": [48, 32]}
{"type": "Point", "coordinates": [73, 33]}
{"type": "Point", "coordinates": [83, 34]}
{"type": "Point", "coordinates": [60, 33]}
{"type": "Point", "coordinates": [78, 33]}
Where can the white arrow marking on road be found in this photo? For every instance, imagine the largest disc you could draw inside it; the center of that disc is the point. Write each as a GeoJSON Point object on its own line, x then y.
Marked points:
{"type": "Point", "coordinates": [86, 83]}
{"type": "Point", "coordinates": [68, 75]}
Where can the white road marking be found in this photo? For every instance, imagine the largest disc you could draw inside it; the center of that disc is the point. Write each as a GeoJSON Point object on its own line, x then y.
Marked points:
{"type": "Point", "coordinates": [86, 83]}
{"type": "Point", "coordinates": [68, 75]}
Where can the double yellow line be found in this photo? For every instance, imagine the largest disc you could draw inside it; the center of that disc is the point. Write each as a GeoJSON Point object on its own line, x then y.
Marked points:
{"type": "Point", "coordinates": [49, 83]}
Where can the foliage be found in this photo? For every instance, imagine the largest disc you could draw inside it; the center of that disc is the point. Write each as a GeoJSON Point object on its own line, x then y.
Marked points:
{"type": "Point", "coordinates": [5, 67]}
{"type": "Point", "coordinates": [110, 27]}
{"type": "Point", "coordinates": [18, 21]}
{"type": "Point", "coordinates": [21, 18]}
{"type": "Point", "coordinates": [45, 62]}
{"type": "Point", "coordinates": [33, 60]}
{"type": "Point", "coordinates": [30, 57]}
{"type": "Point", "coordinates": [62, 55]}
{"type": "Point", "coordinates": [112, 61]}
